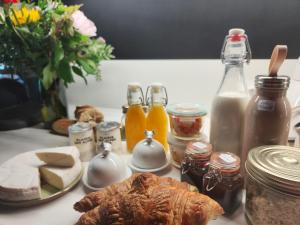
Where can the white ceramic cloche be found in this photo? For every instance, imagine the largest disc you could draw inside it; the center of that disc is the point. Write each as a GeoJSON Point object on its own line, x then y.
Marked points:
{"type": "Point", "coordinates": [105, 168]}
{"type": "Point", "coordinates": [149, 153]}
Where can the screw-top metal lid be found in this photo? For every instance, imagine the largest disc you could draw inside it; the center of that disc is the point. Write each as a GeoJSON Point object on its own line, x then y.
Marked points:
{"type": "Point", "coordinates": [277, 167]}
{"type": "Point", "coordinates": [268, 82]}
{"type": "Point", "coordinates": [80, 127]}
{"type": "Point", "coordinates": [108, 126]}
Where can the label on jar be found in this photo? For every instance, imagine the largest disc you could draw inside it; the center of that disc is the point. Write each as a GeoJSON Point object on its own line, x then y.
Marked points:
{"type": "Point", "coordinates": [227, 158]}
{"type": "Point", "coordinates": [113, 137]}
{"type": "Point", "coordinates": [266, 105]}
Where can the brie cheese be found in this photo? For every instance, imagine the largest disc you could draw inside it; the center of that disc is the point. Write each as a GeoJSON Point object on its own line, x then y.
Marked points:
{"type": "Point", "coordinates": [60, 177]}
{"type": "Point", "coordinates": [61, 156]}
{"type": "Point", "coordinates": [19, 183]}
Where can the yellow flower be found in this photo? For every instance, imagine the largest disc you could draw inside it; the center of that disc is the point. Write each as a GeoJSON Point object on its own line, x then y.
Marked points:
{"type": "Point", "coordinates": [24, 15]}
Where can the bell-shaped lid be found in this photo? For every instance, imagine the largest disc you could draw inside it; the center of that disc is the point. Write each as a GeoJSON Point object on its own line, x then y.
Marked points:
{"type": "Point", "coordinates": [149, 153]}
{"type": "Point", "coordinates": [105, 168]}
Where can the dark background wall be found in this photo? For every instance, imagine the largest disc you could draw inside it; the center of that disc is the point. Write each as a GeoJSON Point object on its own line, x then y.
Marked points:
{"type": "Point", "coordinates": [161, 29]}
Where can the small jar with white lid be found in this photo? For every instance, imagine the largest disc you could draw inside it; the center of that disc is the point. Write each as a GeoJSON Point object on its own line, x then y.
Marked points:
{"type": "Point", "coordinates": [82, 136]}
{"type": "Point", "coordinates": [177, 147]}
{"type": "Point", "coordinates": [273, 186]}
{"type": "Point", "coordinates": [186, 120]}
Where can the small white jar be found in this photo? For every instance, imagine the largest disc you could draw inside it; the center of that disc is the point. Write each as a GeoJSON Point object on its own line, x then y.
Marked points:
{"type": "Point", "coordinates": [110, 132]}
{"type": "Point", "coordinates": [82, 136]}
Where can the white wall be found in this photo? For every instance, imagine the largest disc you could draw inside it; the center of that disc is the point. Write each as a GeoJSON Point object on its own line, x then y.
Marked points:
{"type": "Point", "coordinates": [185, 80]}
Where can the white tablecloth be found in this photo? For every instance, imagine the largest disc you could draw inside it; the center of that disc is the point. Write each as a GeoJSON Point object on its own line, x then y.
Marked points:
{"type": "Point", "coordinates": [60, 211]}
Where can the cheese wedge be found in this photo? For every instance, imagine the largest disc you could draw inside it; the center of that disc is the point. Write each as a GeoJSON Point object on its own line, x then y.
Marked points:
{"type": "Point", "coordinates": [60, 177]}
{"type": "Point", "coordinates": [18, 183]}
{"type": "Point", "coordinates": [61, 156]}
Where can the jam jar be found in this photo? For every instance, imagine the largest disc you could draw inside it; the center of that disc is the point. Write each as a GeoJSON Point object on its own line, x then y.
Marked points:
{"type": "Point", "coordinates": [195, 163]}
{"type": "Point", "coordinates": [223, 181]}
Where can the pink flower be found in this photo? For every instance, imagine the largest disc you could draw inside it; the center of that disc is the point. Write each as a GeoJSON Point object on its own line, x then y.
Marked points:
{"type": "Point", "coordinates": [83, 25]}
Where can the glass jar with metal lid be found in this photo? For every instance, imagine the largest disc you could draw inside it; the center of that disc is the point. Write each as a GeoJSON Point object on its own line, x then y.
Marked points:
{"type": "Point", "coordinates": [82, 136]}
{"type": "Point", "coordinates": [223, 182]}
{"type": "Point", "coordinates": [195, 163]}
{"type": "Point", "coordinates": [273, 186]}
{"type": "Point", "coordinates": [268, 114]}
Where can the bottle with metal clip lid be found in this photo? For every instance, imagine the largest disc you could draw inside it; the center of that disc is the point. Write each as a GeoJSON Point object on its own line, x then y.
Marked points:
{"type": "Point", "coordinates": [230, 102]}
{"type": "Point", "coordinates": [135, 121]}
{"type": "Point", "coordinates": [157, 118]}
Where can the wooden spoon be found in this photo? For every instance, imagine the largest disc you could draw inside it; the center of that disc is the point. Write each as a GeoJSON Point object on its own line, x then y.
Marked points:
{"type": "Point", "coordinates": [278, 56]}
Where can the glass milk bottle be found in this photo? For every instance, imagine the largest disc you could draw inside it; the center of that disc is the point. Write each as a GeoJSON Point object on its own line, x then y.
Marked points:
{"type": "Point", "coordinates": [229, 104]}
{"type": "Point", "coordinates": [157, 118]}
{"type": "Point", "coordinates": [135, 122]}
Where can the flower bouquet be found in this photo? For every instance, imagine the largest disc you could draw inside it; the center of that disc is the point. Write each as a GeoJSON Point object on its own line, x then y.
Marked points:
{"type": "Point", "coordinates": [54, 41]}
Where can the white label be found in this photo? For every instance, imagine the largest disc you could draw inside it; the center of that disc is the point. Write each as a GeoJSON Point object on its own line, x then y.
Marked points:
{"type": "Point", "coordinates": [266, 105]}
{"type": "Point", "coordinates": [227, 158]}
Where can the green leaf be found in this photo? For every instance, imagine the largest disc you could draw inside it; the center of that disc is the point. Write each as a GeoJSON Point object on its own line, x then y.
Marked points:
{"type": "Point", "coordinates": [58, 53]}
{"type": "Point", "coordinates": [2, 15]}
{"type": "Point", "coordinates": [79, 72]}
{"type": "Point", "coordinates": [65, 72]}
{"type": "Point", "coordinates": [48, 76]}
{"type": "Point", "coordinates": [89, 66]}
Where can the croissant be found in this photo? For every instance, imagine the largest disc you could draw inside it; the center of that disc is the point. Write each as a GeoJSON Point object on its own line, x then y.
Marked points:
{"type": "Point", "coordinates": [93, 199]}
{"type": "Point", "coordinates": [147, 203]}
{"type": "Point", "coordinates": [87, 113]}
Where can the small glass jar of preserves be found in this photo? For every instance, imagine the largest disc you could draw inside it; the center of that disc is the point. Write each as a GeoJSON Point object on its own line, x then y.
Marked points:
{"type": "Point", "coordinates": [195, 163]}
{"type": "Point", "coordinates": [273, 185]}
{"type": "Point", "coordinates": [223, 182]}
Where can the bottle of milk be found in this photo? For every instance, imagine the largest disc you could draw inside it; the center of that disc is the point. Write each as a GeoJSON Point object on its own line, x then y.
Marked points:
{"type": "Point", "coordinates": [229, 105]}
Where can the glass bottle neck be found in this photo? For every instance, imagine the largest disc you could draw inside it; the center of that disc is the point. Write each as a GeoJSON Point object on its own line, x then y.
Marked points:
{"type": "Point", "coordinates": [134, 98]}
{"type": "Point", "coordinates": [234, 79]}
{"type": "Point", "coordinates": [157, 99]}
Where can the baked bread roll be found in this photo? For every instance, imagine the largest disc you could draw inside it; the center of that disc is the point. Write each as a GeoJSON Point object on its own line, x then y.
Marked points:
{"type": "Point", "coordinates": [151, 201]}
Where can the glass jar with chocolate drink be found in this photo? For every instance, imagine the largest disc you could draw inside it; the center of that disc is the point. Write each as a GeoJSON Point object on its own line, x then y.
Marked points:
{"type": "Point", "coordinates": [268, 114]}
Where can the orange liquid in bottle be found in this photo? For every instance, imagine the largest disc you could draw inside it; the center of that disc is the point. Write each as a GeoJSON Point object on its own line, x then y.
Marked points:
{"type": "Point", "coordinates": [157, 121]}
{"type": "Point", "coordinates": [135, 125]}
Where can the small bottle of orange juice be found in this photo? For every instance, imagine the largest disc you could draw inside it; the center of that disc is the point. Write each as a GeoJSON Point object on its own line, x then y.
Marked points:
{"type": "Point", "coordinates": [157, 119]}
{"type": "Point", "coordinates": [135, 122]}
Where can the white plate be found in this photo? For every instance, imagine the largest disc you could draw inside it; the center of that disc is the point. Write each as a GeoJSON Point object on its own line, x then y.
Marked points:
{"type": "Point", "coordinates": [295, 119]}
{"type": "Point", "coordinates": [137, 169]}
{"type": "Point", "coordinates": [85, 183]}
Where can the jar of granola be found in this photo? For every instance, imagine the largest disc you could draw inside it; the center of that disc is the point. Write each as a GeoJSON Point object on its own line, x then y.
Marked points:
{"type": "Point", "coordinates": [273, 186]}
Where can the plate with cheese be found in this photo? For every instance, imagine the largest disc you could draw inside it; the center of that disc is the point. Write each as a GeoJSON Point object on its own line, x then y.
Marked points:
{"type": "Point", "coordinates": [39, 176]}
